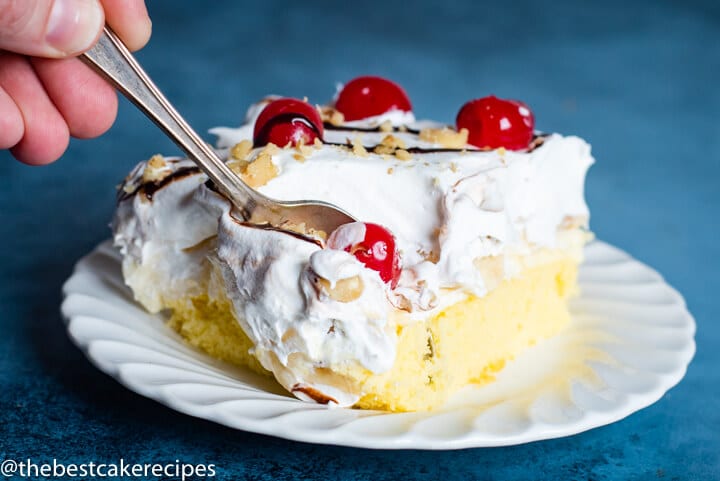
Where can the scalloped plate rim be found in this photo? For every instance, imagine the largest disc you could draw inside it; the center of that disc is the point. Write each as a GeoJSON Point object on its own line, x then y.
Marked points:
{"type": "Point", "coordinates": [410, 439]}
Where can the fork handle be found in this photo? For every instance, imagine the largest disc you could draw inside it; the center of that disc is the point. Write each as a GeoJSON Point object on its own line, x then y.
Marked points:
{"type": "Point", "coordinates": [112, 60]}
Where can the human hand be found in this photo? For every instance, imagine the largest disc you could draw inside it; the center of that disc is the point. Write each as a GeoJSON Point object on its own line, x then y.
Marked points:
{"type": "Point", "coordinates": [47, 95]}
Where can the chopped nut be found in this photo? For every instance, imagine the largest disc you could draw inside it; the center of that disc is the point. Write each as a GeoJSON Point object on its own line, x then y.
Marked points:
{"type": "Point", "coordinates": [403, 154]}
{"type": "Point", "coordinates": [303, 149]}
{"type": "Point", "coordinates": [392, 141]}
{"type": "Point", "coordinates": [358, 148]}
{"type": "Point", "coordinates": [238, 166]}
{"type": "Point", "coordinates": [271, 149]}
{"type": "Point", "coordinates": [299, 157]}
{"type": "Point", "coordinates": [241, 150]}
{"type": "Point", "coordinates": [384, 150]}
{"type": "Point", "coordinates": [303, 229]}
{"type": "Point", "coordinates": [431, 256]}
{"type": "Point", "coordinates": [345, 290]}
{"type": "Point", "coordinates": [317, 143]}
{"type": "Point", "coordinates": [156, 169]}
{"type": "Point", "coordinates": [446, 136]}
{"type": "Point", "coordinates": [386, 126]}
{"type": "Point", "coordinates": [389, 145]}
{"type": "Point", "coordinates": [390, 170]}
{"type": "Point", "coordinates": [157, 161]}
{"type": "Point", "coordinates": [331, 115]}
{"type": "Point", "coordinates": [258, 172]}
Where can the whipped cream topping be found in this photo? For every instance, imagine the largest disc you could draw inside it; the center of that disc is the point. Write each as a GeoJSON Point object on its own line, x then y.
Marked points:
{"type": "Point", "coordinates": [160, 235]}
{"type": "Point", "coordinates": [450, 210]}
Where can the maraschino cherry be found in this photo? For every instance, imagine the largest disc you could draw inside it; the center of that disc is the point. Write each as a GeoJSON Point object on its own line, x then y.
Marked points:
{"type": "Point", "coordinates": [493, 122]}
{"type": "Point", "coordinates": [288, 120]}
{"type": "Point", "coordinates": [376, 248]}
{"type": "Point", "coordinates": [368, 96]}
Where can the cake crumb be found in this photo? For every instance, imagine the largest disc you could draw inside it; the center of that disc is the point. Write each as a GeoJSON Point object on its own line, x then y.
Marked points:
{"type": "Point", "coordinates": [390, 170]}
{"type": "Point", "coordinates": [241, 150]}
{"type": "Point", "coordinates": [446, 137]}
{"type": "Point", "coordinates": [317, 143]}
{"type": "Point", "coordinates": [299, 157]}
{"type": "Point", "coordinates": [453, 167]}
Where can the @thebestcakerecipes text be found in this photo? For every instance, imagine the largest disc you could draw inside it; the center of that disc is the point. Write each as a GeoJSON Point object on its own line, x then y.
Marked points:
{"type": "Point", "coordinates": [121, 469]}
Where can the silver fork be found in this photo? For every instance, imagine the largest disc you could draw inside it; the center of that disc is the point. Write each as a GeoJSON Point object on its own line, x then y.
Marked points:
{"type": "Point", "coordinates": [111, 59]}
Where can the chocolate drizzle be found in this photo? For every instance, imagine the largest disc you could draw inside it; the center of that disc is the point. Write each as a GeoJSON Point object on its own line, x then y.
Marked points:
{"type": "Point", "coordinates": [149, 188]}
{"type": "Point", "coordinates": [537, 140]}
{"type": "Point", "coordinates": [347, 128]}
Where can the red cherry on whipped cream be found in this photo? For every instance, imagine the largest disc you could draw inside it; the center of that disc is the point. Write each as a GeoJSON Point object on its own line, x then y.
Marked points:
{"type": "Point", "coordinates": [493, 122]}
{"type": "Point", "coordinates": [371, 244]}
{"type": "Point", "coordinates": [288, 120]}
{"type": "Point", "coordinates": [364, 97]}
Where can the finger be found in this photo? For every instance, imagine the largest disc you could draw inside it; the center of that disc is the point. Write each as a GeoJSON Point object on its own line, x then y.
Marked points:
{"type": "Point", "coordinates": [49, 28]}
{"type": "Point", "coordinates": [88, 103]}
{"type": "Point", "coordinates": [45, 135]}
{"type": "Point", "coordinates": [130, 20]}
{"type": "Point", "coordinates": [11, 121]}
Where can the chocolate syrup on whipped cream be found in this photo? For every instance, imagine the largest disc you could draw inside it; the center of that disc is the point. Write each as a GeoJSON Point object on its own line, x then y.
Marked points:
{"type": "Point", "coordinates": [347, 128]}
{"type": "Point", "coordinates": [536, 141]}
{"type": "Point", "coordinates": [149, 188]}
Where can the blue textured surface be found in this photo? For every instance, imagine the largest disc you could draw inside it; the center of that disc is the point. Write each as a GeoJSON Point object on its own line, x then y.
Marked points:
{"type": "Point", "coordinates": [638, 79]}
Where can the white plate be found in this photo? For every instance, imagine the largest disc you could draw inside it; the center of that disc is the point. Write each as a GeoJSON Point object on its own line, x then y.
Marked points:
{"type": "Point", "coordinates": [630, 340]}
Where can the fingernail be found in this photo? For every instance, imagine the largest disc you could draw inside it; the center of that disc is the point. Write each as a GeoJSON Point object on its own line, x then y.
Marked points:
{"type": "Point", "coordinates": [74, 25]}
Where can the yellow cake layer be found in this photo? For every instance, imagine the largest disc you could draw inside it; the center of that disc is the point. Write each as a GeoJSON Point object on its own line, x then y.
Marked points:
{"type": "Point", "coordinates": [473, 339]}
{"type": "Point", "coordinates": [466, 343]}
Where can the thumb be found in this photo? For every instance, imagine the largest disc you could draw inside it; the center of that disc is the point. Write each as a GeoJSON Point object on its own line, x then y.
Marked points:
{"type": "Point", "coordinates": [49, 28]}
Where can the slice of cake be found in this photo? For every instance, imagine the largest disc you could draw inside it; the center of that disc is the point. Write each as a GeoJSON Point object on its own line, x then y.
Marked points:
{"type": "Point", "coordinates": [464, 254]}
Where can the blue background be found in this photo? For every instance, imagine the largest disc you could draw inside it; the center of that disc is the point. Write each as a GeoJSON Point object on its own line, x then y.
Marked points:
{"type": "Point", "coordinates": [638, 79]}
